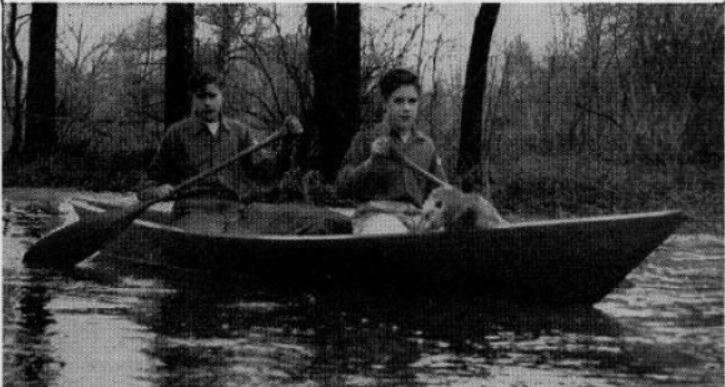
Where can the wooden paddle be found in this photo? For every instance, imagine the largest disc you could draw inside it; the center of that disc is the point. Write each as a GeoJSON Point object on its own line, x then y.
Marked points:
{"type": "Point", "coordinates": [417, 169]}
{"type": "Point", "coordinates": [71, 244]}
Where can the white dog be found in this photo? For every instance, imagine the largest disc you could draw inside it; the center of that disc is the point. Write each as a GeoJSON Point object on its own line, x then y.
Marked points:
{"type": "Point", "coordinates": [452, 210]}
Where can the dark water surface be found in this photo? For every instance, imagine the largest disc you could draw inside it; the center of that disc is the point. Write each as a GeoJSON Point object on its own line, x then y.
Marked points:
{"type": "Point", "coordinates": [107, 325]}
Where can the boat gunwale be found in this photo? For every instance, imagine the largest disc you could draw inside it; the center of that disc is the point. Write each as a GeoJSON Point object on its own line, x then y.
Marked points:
{"type": "Point", "coordinates": [344, 237]}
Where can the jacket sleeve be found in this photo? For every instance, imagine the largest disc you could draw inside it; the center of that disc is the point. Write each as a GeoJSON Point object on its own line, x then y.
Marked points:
{"type": "Point", "coordinates": [164, 168]}
{"type": "Point", "coordinates": [356, 168]}
{"type": "Point", "coordinates": [263, 163]}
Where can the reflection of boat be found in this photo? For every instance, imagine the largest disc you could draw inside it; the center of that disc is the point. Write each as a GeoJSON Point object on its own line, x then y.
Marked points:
{"type": "Point", "coordinates": [558, 261]}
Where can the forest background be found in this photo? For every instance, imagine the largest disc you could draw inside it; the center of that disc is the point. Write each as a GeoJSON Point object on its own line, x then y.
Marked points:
{"type": "Point", "coordinates": [621, 111]}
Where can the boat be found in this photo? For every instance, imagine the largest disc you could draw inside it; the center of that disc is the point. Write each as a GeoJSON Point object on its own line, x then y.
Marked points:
{"type": "Point", "coordinates": [569, 261]}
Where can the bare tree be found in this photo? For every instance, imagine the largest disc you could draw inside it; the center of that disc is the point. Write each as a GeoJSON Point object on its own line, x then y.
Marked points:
{"type": "Point", "coordinates": [385, 47]}
{"type": "Point", "coordinates": [337, 139]}
{"type": "Point", "coordinates": [321, 21]}
{"type": "Point", "coordinates": [472, 110]}
{"type": "Point", "coordinates": [433, 101]}
{"type": "Point", "coordinates": [179, 60]}
{"type": "Point", "coordinates": [17, 107]}
{"type": "Point", "coordinates": [334, 54]}
{"type": "Point", "coordinates": [79, 71]}
{"type": "Point", "coordinates": [40, 117]}
{"type": "Point", "coordinates": [225, 36]}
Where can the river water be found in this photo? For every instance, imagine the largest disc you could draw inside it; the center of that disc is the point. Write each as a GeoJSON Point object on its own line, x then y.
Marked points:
{"type": "Point", "coordinates": [120, 326]}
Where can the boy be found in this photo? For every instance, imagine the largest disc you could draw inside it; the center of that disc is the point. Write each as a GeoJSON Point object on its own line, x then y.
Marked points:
{"type": "Point", "coordinates": [371, 171]}
{"type": "Point", "coordinates": [203, 140]}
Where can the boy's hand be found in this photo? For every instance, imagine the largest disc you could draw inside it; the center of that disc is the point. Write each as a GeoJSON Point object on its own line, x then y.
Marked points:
{"type": "Point", "coordinates": [380, 148]}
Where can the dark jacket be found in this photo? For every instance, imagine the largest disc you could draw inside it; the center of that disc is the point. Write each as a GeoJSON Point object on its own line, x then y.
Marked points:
{"type": "Point", "coordinates": [388, 179]}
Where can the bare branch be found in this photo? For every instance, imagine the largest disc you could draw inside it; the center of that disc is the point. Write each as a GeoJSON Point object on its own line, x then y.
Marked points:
{"type": "Point", "coordinates": [263, 102]}
{"type": "Point", "coordinates": [587, 109]}
{"type": "Point", "coordinates": [260, 65]}
{"type": "Point", "coordinates": [422, 39]}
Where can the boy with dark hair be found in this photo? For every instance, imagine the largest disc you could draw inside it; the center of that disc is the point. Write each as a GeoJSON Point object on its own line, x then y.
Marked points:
{"type": "Point", "coordinates": [204, 139]}
{"type": "Point", "coordinates": [370, 170]}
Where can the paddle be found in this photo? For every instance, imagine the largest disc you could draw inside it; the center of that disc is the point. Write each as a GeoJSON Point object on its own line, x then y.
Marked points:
{"type": "Point", "coordinates": [417, 169]}
{"type": "Point", "coordinates": [422, 172]}
{"type": "Point", "coordinates": [71, 244]}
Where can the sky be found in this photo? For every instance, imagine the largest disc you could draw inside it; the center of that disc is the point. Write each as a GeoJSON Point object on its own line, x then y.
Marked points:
{"type": "Point", "coordinates": [534, 21]}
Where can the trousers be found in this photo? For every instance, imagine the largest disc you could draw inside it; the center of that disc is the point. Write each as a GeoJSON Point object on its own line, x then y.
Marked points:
{"type": "Point", "coordinates": [385, 217]}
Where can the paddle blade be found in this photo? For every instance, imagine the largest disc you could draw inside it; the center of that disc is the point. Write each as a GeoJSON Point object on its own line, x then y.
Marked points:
{"type": "Point", "coordinates": [75, 242]}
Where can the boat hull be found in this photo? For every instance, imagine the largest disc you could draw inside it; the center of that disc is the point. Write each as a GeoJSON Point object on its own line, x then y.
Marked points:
{"type": "Point", "coordinates": [576, 261]}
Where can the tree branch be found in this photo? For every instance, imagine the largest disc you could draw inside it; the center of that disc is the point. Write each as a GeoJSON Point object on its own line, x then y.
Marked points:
{"type": "Point", "coordinates": [265, 72]}
{"type": "Point", "coordinates": [587, 109]}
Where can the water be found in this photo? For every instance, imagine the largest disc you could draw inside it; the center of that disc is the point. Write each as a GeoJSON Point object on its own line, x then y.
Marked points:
{"type": "Point", "coordinates": [120, 326]}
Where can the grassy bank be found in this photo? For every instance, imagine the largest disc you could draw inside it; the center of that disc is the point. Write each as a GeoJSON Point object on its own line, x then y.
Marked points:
{"type": "Point", "coordinates": [531, 187]}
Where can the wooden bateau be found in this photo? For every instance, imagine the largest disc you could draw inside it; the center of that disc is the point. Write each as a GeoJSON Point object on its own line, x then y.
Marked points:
{"type": "Point", "coordinates": [571, 261]}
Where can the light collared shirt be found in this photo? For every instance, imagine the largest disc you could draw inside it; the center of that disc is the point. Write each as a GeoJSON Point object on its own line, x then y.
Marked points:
{"type": "Point", "coordinates": [213, 127]}
{"type": "Point", "coordinates": [387, 178]}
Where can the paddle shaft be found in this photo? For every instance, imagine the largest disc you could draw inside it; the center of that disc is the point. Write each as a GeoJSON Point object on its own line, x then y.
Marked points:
{"type": "Point", "coordinates": [73, 243]}
{"type": "Point", "coordinates": [201, 175]}
{"type": "Point", "coordinates": [422, 172]}
{"type": "Point", "coordinates": [417, 169]}
{"type": "Point", "coordinates": [282, 132]}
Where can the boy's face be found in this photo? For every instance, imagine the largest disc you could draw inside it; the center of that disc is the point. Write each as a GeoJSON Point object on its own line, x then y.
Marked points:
{"type": "Point", "coordinates": [402, 107]}
{"type": "Point", "coordinates": [207, 102]}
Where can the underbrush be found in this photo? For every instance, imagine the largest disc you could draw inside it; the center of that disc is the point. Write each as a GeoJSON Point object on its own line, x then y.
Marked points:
{"type": "Point", "coordinates": [119, 171]}
{"type": "Point", "coordinates": [566, 186]}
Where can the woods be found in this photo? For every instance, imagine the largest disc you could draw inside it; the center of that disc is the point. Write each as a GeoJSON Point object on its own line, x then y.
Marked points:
{"type": "Point", "coordinates": [624, 114]}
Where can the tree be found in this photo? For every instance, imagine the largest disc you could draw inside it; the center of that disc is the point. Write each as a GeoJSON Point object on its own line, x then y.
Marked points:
{"type": "Point", "coordinates": [179, 60]}
{"type": "Point", "coordinates": [662, 64]}
{"type": "Point", "coordinates": [40, 115]}
{"type": "Point", "coordinates": [321, 21]}
{"type": "Point", "coordinates": [472, 110]}
{"type": "Point", "coordinates": [79, 75]}
{"type": "Point", "coordinates": [137, 69]}
{"type": "Point", "coordinates": [334, 55]}
{"type": "Point", "coordinates": [229, 22]}
{"type": "Point", "coordinates": [17, 107]}
{"type": "Point", "coordinates": [348, 70]}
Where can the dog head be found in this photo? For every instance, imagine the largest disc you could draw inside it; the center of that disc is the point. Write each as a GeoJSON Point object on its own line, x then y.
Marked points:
{"type": "Point", "coordinates": [452, 210]}
{"type": "Point", "coordinates": [441, 209]}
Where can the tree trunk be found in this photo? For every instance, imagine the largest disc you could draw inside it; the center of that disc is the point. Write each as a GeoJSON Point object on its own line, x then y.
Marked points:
{"type": "Point", "coordinates": [338, 138]}
{"type": "Point", "coordinates": [324, 118]}
{"type": "Point", "coordinates": [472, 110]}
{"type": "Point", "coordinates": [40, 133]}
{"type": "Point", "coordinates": [16, 146]}
{"type": "Point", "coordinates": [225, 37]}
{"type": "Point", "coordinates": [179, 60]}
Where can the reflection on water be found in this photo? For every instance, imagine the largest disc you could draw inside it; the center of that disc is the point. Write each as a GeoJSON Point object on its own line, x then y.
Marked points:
{"type": "Point", "coordinates": [104, 324]}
